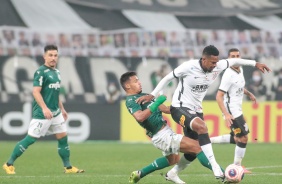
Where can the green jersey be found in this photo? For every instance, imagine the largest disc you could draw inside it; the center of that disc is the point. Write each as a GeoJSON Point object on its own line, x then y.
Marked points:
{"type": "Point", "coordinates": [49, 79]}
{"type": "Point", "coordinates": [154, 122]}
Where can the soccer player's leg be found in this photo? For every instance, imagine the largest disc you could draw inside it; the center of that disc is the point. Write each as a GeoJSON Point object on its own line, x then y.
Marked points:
{"type": "Point", "coordinates": [35, 131]}
{"type": "Point", "coordinates": [241, 131]}
{"type": "Point", "coordinates": [58, 127]}
{"type": "Point", "coordinates": [193, 121]}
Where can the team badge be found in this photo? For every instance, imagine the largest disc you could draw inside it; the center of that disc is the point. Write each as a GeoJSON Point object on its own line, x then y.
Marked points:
{"type": "Point", "coordinates": [182, 120]}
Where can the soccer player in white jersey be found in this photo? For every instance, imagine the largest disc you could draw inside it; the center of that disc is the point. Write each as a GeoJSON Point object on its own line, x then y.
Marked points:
{"type": "Point", "coordinates": [229, 98]}
{"type": "Point", "coordinates": [195, 77]}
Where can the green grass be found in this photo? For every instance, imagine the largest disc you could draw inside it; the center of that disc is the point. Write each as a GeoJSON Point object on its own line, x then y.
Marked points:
{"type": "Point", "coordinates": [112, 163]}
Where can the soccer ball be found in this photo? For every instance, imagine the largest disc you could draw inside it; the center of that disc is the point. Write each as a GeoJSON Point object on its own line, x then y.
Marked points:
{"type": "Point", "coordinates": [234, 173]}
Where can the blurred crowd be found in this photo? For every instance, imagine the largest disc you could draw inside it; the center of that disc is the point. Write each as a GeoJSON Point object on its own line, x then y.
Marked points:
{"type": "Point", "coordinates": [139, 43]}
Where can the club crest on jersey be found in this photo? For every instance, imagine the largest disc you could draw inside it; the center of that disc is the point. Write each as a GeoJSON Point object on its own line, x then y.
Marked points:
{"type": "Point", "coordinates": [182, 120]}
{"type": "Point", "coordinates": [214, 75]}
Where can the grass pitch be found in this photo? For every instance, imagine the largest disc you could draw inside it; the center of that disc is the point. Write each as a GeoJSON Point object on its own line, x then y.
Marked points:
{"type": "Point", "coordinates": [112, 163]}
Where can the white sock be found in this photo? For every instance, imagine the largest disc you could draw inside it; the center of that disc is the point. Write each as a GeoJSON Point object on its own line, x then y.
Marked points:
{"type": "Point", "coordinates": [181, 165]}
{"type": "Point", "coordinates": [239, 155]}
{"type": "Point", "coordinates": [221, 139]}
{"type": "Point", "coordinates": [207, 149]}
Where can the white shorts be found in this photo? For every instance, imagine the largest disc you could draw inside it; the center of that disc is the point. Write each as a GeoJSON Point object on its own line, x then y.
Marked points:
{"type": "Point", "coordinates": [42, 127]}
{"type": "Point", "coordinates": [167, 141]}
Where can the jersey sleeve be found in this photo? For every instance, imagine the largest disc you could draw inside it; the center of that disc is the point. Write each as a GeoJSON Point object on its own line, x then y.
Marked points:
{"type": "Point", "coordinates": [38, 78]}
{"type": "Point", "coordinates": [225, 83]}
{"type": "Point", "coordinates": [181, 70]}
{"type": "Point", "coordinates": [132, 106]}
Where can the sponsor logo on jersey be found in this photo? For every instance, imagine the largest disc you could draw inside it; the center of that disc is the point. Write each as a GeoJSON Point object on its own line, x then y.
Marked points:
{"type": "Point", "coordinates": [236, 131]}
{"type": "Point", "coordinates": [199, 88]}
{"type": "Point", "coordinates": [55, 85]}
{"type": "Point", "coordinates": [182, 120]}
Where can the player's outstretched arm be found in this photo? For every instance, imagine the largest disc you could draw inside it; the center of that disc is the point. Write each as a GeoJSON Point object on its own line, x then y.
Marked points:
{"type": "Point", "coordinates": [262, 67]}
{"type": "Point", "coordinates": [238, 61]}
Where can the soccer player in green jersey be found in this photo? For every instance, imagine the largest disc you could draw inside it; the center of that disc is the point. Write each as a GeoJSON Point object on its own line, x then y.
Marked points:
{"type": "Point", "coordinates": [149, 116]}
{"type": "Point", "coordinates": [48, 113]}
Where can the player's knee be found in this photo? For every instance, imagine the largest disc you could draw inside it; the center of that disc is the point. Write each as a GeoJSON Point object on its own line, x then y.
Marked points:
{"type": "Point", "coordinates": [200, 127]}
{"type": "Point", "coordinates": [243, 139]}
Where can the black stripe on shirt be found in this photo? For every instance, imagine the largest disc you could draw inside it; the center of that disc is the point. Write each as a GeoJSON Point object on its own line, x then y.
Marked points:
{"type": "Point", "coordinates": [174, 74]}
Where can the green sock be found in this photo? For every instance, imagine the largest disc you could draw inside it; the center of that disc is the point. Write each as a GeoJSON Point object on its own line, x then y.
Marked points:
{"type": "Point", "coordinates": [204, 161]}
{"type": "Point", "coordinates": [158, 164]}
{"type": "Point", "coordinates": [20, 148]}
{"type": "Point", "coordinates": [64, 151]}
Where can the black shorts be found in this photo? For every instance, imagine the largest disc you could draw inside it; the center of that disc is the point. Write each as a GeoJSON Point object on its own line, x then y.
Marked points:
{"type": "Point", "coordinates": [183, 116]}
{"type": "Point", "coordinates": [239, 127]}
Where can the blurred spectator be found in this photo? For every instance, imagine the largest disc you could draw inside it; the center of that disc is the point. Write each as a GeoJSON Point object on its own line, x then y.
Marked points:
{"type": "Point", "coordinates": [77, 41]}
{"type": "Point", "coordinates": [119, 40]}
{"type": "Point", "coordinates": [51, 39]}
{"type": "Point", "coordinates": [256, 86]}
{"type": "Point", "coordinates": [174, 40]}
{"type": "Point", "coordinates": [215, 40]}
{"type": "Point", "coordinates": [147, 39]}
{"type": "Point", "coordinates": [9, 38]}
{"type": "Point", "coordinates": [22, 39]}
{"type": "Point", "coordinates": [273, 51]}
{"type": "Point", "coordinates": [201, 38]}
{"type": "Point", "coordinates": [280, 38]}
{"type": "Point", "coordinates": [188, 40]}
{"type": "Point", "coordinates": [133, 39]}
{"type": "Point", "coordinates": [64, 41]}
{"type": "Point", "coordinates": [105, 41]}
{"type": "Point", "coordinates": [162, 52]}
{"type": "Point", "coordinates": [36, 40]}
{"type": "Point", "coordinates": [189, 53]}
{"type": "Point", "coordinates": [159, 74]}
{"type": "Point", "coordinates": [92, 41]}
{"type": "Point", "coordinates": [229, 38]}
{"type": "Point", "coordinates": [269, 38]}
{"type": "Point", "coordinates": [276, 86]}
{"type": "Point", "coordinates": [243, 38]}
{"type": "Point", "coordinates": [259, 52]}
{"type": "Point", "coordinates": [2, 51]}
{"type": "Point", "coordinates": [255, 36]}
{"type": "Point", "coordinates": [160, 38]}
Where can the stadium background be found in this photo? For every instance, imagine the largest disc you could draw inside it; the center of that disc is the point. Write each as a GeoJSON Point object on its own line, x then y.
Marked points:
{"type": "Point", "coordinates": [99, 40]}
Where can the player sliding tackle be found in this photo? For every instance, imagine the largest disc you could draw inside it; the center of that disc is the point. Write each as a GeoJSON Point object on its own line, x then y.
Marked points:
{"type": "Point", "coordinates": [149, 116]}
{"type": "Point", "coordinates": [195, 77]}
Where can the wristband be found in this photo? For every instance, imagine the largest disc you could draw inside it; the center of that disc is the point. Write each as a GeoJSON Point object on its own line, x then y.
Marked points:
{"type": "Point", "coordinates": [157, 103]}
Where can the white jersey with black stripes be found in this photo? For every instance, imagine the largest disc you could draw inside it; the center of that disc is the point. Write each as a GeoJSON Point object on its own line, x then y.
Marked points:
{"type": "Point", "coordinates": [194, 83]}
{"type": "Point", "coordinates": [233, 84]}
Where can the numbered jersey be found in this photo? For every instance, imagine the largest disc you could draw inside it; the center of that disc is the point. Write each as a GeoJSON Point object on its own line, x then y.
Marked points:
{"type": "Point", "coordinates": [194, 83]}
{"type": "Point", "coordinates": [154, 122]}
{"type": "Point", "coordinates": [49, 80]}
{"type": "Point", "coordinates": [233, 84]}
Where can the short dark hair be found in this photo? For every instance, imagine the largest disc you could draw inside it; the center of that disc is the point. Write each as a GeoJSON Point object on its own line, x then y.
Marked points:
{"type": "Point", "coordinates": [50, 47]}
{"type": "Point", "coordinates": [233, 50]}
{"type": "Point", "coordinates": [210, 50]}
{"type": "Point", "coordinates": [125, 77]}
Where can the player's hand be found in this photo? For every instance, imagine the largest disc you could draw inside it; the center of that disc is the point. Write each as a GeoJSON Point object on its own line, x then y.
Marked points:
{"type": "Point", "coordinates": [228, 119]}
{"type": "Point", "coordinates": [65, 114]}
{"type": "Point", "coordinates": [47, 113]}
{"type": "Point", "coordinates": [252, 97]}
{"type": "Point", "coordinates": [144, 99]}
{"type": "Point", "coordinates": [262, 67]}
